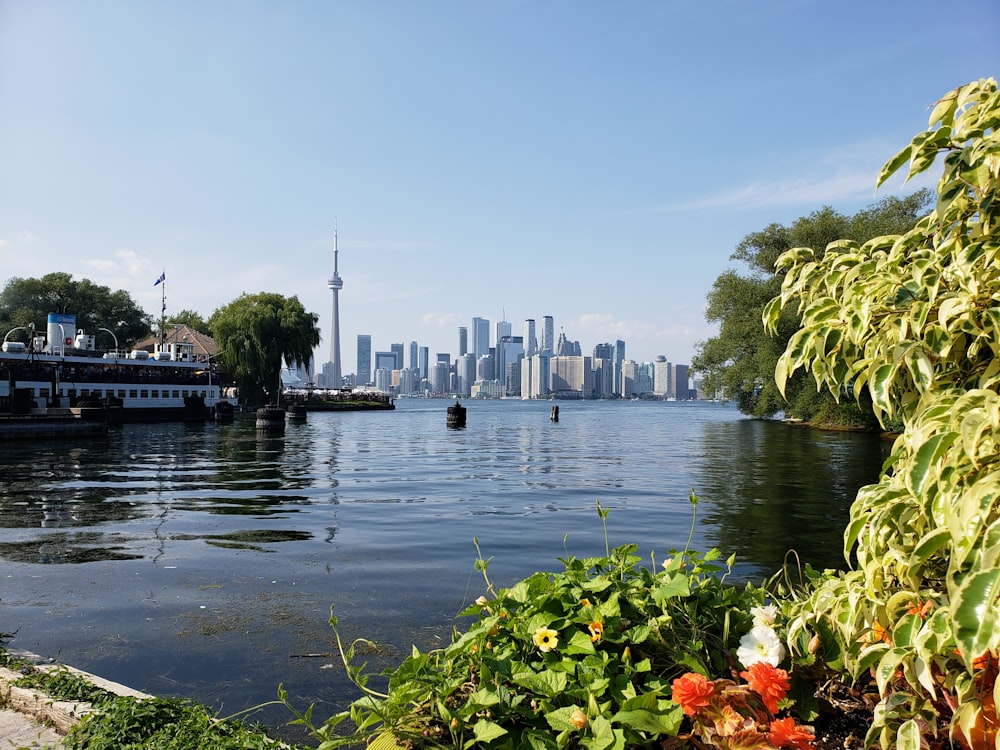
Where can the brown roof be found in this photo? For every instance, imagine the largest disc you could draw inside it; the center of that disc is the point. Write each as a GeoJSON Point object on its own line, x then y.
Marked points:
{"type": "Point", "coordinates": [204, 345]}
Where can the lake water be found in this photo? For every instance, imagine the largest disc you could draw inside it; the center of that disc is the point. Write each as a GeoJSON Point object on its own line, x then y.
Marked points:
{"type": "Point", "coordinates": [202, 560]}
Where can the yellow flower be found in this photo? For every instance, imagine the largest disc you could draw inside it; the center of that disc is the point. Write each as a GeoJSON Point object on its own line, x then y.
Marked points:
{"type": "Point", "coordinates": [546, 639]}
{"type": "Point", "coordinates": [596, 631]}
{"type": "Point", "coordinates": [578, 719]}
{"type": "Point", "coordinates": [585, 603]}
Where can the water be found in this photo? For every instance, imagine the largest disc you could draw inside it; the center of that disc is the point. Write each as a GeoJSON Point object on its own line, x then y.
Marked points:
{"type": "Point", "coordinates": [202, 560]}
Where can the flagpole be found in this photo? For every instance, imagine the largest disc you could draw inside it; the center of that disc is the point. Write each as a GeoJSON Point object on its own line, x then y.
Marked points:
{"type": "Point", "coordinates": [163, 308]}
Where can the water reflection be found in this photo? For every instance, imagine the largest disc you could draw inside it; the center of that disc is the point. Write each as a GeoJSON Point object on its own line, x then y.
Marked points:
{"type": "Point", "coordinates": [768, 487]}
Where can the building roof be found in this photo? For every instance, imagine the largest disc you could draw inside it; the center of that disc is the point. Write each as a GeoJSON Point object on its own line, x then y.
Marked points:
{"type": "Point", "coordinates": [204, 345]}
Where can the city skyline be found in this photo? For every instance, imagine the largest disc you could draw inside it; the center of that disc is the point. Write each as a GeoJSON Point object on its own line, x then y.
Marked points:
{"type": "Point", "coordinates": [594, 162]}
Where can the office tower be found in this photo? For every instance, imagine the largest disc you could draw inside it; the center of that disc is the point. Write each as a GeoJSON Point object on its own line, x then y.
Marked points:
{"type": "Point", "coordinates": [628, 384]}
{"type": "Point", "coordinates": [548, 345]}
{"type": "Point", "coordinates": [486, 368]}
{"type": "Point", "coordinates": [336, 284]}
{"type": "Point", "coordinates": [619, 358]}
{"type": "Point", "coordinates": [530, 345]}
{"type": "Point", "coordinates": [364, 361]}
{"type": "Point", "coordinates": [662, 377]}
{"type": "Point", "coordinates": [422, 358]}
{"type": "Point", "coordinates": [503, 331]}
{"type": "Point", "coordinates": [680, 382]}
{"type": "Point", "coordinates": [397, 351]}
{"type": "Point", "coordinates": [603, 351]}
{"type": "Point", "coordinates": [439, 380]}
{"type": "Point", "coordinates": [413, 355]}
{"type": "Point", "coordinates": [509, 351]}
{"type": "Point", "coordinates": [463, 341]}
{"type": "Point", "coordinates": [480, 337]}
{"type": "Point", "coordinates": [385, 361]}
{"type": "Point", "coordinates": [466, 374]}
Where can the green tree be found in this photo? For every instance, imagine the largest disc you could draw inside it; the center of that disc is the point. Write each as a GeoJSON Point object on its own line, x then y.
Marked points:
{"type": "Point", "coordinates": [24, 302]}
{"type": "Point", "coordinates": [913, 321]}
{"type": "Point", "coordinates": [739, 363]}
{"type": "Point", "coordinates": [191, 319]}
{"type": "Point", "coordinates": [255, 334]}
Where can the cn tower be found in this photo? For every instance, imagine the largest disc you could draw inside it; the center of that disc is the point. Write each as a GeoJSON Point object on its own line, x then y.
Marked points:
{"type": "Point", "coordinates": [335, 284]}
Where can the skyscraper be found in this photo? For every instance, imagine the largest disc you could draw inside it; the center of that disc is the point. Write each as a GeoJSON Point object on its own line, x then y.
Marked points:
{"type": "Point", "coordinates": [413, 356]}
{"type": "Point", "coordinates": [364, 376]}
{"type": "Point", "coordinates": [463, 341]}
{"type": "Point", "coordinates": [336, 284]}
{"type": "Point", "coordinates": [530, 345]}
{"type": "Point", "coordinates": [548, 344]}
{"type": "Point", "coordinates": [480, 337]}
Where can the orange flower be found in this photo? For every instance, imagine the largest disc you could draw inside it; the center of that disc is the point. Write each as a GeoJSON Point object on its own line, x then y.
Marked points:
{"type": "Point", "coordinates": [596, 631]}
{"type": "Point", "coordinates": [770, 683]}
{"type": "Point", "coordinates": [786, 733]}
{"type": "Point", "coordinates": [578, 719]}
{"type": "Point", "coordinates": [881, 634]}
{"type": "Point", "coordinates": [585, 603]}
{"type": "Point", "coordinates": [691, 692]}
{"type": "Point", "coordinates": [916, 608]}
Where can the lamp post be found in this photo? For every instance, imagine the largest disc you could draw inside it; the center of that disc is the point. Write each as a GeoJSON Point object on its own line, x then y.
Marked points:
{"type": "Point", "coordinates": [112, 336]}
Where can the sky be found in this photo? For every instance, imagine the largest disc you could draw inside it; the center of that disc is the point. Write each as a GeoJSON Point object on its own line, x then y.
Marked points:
{"type": "Point", "coordinates": [598, 162]}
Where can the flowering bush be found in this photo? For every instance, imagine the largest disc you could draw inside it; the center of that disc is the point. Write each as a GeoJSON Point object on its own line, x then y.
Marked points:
{"type": "Point", "coordinates": [606, 654]}
{"type": "Point", "coordinates": [731, 716]}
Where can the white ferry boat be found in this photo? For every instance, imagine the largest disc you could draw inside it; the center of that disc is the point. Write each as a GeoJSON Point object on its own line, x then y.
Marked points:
{"type": "Point", "coordinates": [63, 368]}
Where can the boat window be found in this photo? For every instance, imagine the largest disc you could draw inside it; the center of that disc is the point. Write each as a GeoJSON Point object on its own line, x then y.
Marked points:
{"type": "Point", "coordinates": [154, 394]}
{"type": "Point", "coordinates": [143, 393]}
{"type": "Point", "coordinates": [177, 394]}
{"type": "Point", "coordinates": [133, 393]}
{"type": "Point", "coordinates": [121, 393]}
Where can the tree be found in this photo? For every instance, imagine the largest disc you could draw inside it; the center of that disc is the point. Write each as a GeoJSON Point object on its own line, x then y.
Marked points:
{"type": "Point", "coordinates": [739, 363]}
{"type": "Point", "coordinates": [191, 319]}
{"type": "Point", "coordinates": [912, 320]}
{"type": "Point", "coordinates": [255, 334]}
{"type": "Point", "coordinates": [24, 302]}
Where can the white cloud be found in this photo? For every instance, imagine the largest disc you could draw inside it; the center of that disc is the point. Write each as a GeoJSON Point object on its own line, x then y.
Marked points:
{"type": "Point", "coordinates": [846, 174]}
{"type": "Point", "coordinates": [27, 236]}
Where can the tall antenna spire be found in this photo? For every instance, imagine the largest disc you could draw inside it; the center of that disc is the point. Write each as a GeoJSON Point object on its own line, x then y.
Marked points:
{"type": "Point", "coordinates": [335, 284]}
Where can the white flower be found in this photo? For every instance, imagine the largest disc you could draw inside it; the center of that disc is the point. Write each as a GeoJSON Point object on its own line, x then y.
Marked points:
{"type": "Point", "coordinates": [764, 616]}
{"type": "Point", "coordinates": [760, 644]}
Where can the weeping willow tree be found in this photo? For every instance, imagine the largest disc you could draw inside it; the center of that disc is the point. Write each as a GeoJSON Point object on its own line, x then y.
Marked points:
{"type": "Point", "coordinates": [256, 334]}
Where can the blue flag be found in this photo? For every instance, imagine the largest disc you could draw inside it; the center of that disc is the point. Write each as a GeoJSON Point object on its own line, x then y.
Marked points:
{"type": "Point", "coordinates": [163, 277]}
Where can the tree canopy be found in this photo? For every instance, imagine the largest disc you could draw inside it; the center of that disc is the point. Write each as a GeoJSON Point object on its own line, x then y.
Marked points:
{"type": "Point", "coordinates": [192, 319]}
{"type": "Point", "coordinates": [911, 320]}
{"type": "Point", "coordinates": [25, 302]}
{"type": "Point", "coordinates": [255, 334]}
{"type": "Point", "coordinates": [739, 362]}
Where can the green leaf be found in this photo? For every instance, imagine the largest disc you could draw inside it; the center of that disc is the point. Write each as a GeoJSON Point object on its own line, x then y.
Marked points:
{"type": "Point", "coordinates": [974, 613]}
{"type": "Point", "coordinates": [486, 731]}
{"type": "Point", "coordinates": [547, 683]}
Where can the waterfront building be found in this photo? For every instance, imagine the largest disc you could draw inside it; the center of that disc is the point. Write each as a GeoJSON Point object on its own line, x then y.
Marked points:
{"type": "Point", "coordinates": [680, 383]}
{"type": "Point", "coordinates": [509, 350]}
{"type": "Point", "coordinates": [548, 345]}
{"type": "Point", "coordinates": [383, 379]}
{"type": "Point", "coordinates": [364, 370]}
{"type": "Point", "coordinates": [530, 344]}
{"type": "Point", "coordinates": [513, 379]}
{"type": "Point", "coordinates": [603, 378]}
{"type": "Point", "coordinates": [480, 337]}
{"type": "Point", "coordinates": [486, 368]}
{"type": "Point", "coordinates": [406, 381]}
{"type": "Point", "coordinates": [466, 374]}
{"type": "Point", "coordinates": [619, 357]}
{"type": "Point", "coordinates": [397, 352]}
{"type": "Point", "coordinates": [570, 377]}
{"type": "Point", "coordinates": [336, 284]}
{"type": "Point", "coordinates": [628, 379]}
{"type": "Point", "coordinates": [662, 377]}
{"type": "Point", "coordinates": [413, 355]}
{"type": "Point", "coordinates": [463, 341]}
{"type": "Point", "coordinates": [422, 361]}
{"type": "Point", "coordinates": [438, 378]}
{"type": "Point", "coordinates": [644, 376]}
{"type": "Point", "coordinates": [487, 389]}
{"type": "Point", "coordinates": [385, 360]}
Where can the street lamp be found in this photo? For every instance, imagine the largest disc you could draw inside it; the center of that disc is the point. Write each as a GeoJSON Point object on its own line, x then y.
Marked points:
{"type": "Point", "coordinates": [112, 336]}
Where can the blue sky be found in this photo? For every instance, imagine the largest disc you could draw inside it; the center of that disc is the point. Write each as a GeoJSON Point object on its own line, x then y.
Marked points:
{"type": "Point", "coordinates": [597, 162]}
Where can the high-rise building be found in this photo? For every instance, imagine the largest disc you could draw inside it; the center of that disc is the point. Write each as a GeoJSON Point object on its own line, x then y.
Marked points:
{"type": "Point", "coordinates": [662, 377]}
{"type": "Point", "coordinates": [680, 382]}
{"type": "Point", "coordinates": [530, 344]}
{"type": "Point", "coordinates": [364, 376]}
{"type": "Point", "coordinates": [413, 355]}
{"type": "Point", "coordinates": [463, 341]}
{"type": "Point", "coordinates": [422, 357]}
{"type": "Point", "coordinates": [548, 345]}
{"type": "Point", "coordinates": [480, 337]}
{"type": "Point", "coordinates": [466, 374]}
{"type": "Point", "coordinates": [397, 351]}
{"type": "Point", "coordinates": [336, 284]}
